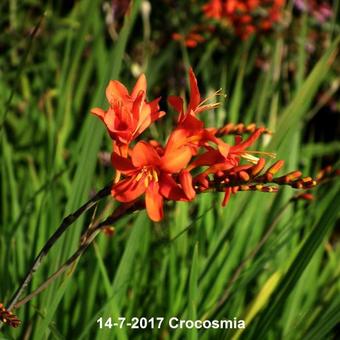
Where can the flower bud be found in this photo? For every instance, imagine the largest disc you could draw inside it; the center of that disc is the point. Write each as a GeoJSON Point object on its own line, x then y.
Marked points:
{"type": "Point", "coordinates": [276, 167]}
{"type": "Point", "coordinates": [256, 169]}
{"type": "Point", "coordinates": [244, 176]}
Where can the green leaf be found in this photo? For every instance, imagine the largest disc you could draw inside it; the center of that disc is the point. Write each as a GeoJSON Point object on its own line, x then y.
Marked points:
{"type": "Point", "coordinates": [314, 240]}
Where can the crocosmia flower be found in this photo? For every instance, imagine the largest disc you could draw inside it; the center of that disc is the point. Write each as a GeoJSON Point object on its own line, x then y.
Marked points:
{"type": "Point", "coordinates": [149, 172]}
{"type": "Point", "coordinates": [129, 114]}
{"type": "Point", "coordinates": [194, 158]}
{"type": "Point", "coordinates": [190, 129]}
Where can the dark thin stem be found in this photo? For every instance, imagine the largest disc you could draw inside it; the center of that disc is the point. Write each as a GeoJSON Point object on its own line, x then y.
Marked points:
{"type": "Point", "coordinates": [61, 270]}
{"type": "Point", "coordinates": [66, 223]}
{"type": "Point", "coordinates": [87, 238]}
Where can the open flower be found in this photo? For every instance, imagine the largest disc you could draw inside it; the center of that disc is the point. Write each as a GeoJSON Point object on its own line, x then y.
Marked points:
{"type": "Point", "coordinates": [218, 162]}
{"type": "Point", "coordinates": [188, 118]}
{"type": "Point", "coordinates": [190, 129]}
{"type": "Point", "coordinates": [222, 166]}
{"type": "Point", "coordinates": [129, 114]}
{"type": "Point", "coordinates": [151, 173]}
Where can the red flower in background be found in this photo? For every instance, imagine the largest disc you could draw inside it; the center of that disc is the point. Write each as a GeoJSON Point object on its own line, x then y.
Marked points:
{"type": "Point", "coordinates": [191, 39]}
{"type": "Point", "coordinates": [245, 17]}
{"type": "Point", "coordinates": [129, 114]}
{"type": "Point", "coordinates": [214, 9]}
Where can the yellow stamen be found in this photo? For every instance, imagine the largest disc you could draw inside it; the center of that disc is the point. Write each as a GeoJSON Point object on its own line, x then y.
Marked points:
{"type": "Point", "coordinates": [215, 94]}
{"type": "Point", "coordinates": [139, 176]}
{"type": "Point", "coordinates": [117, 177]}
{"type": "Point", "coordinates": [154, 175]}
{"type": "Point", "coordinates": [253, 159]}
{"type": "Point", "coordinates": [265, 153]}
{"type": "Point", "coordinates": [250, 158]}
{"type": "Point", "coordinates": [194, 138]}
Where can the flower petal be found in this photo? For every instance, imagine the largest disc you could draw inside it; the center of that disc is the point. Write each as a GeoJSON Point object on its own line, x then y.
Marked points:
{"type": "Point", "coordinates": [121, 137]}
{"type": "Point", "coordinates": [128, 190]}
{"type": "Point", "coordinates": [122, 164]}
{"type": "Point", "coordinates": [154, 202]}
{"type": "Point", "coordinates": [223, 147]}
{"type": "Point", "coordinates": [195, 97]}
{"type": "Point", "coordinates": [144, 154]}
{"type": "Point", "coordinates": [248, 142]}
{"type": "Point", "coordinates": [137, 106]}
{"type": "Point", "coordinates": [98, 112]}
{"type": "Point", "coordinates": [191, 123]}
{"type": "Point", "coordinates": [139, 86]}
{"type": "Point", "coordinates": [208, 158]}
{"type": "Point", "coordinates": [170, 189]}
{"type": "Point", "coordinates": [154, 108]}
{"type": "Point", "coordinates": [116, 90]}
{"type": "Point", "coordinates": [177, 104]}
{"type": "Point", "coordinates": [177, 139]}
{"type": "Point", "coordinates": [226, 198]}
{"type": "Point", "coordinates": [176, 160]}
{"type": "Point", "coordinates": [109, 119]}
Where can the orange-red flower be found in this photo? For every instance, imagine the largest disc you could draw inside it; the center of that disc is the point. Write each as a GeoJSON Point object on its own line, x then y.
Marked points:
{"type": "Point", "coordinates": [217, 162]}
{"type": "Point", "coordinates": [151, 173]}
{"type": "Point", "coordinates": [222, 166]}
{"type": "Point", "coordinates": [129, 114]}
{"type": "Point", "coordinates": [213, 9]}
{"type": "Point", "coordinates": [191, 39]}
{"type": "Point", "coordinates": [190, 129]}
{"type": "Point", "coordinates": [194, 158]}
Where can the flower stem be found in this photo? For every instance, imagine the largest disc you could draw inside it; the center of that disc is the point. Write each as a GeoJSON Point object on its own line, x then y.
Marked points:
{"type": "Point", "coordinates": [87, 238]}
{"type": "Point", "coordinates": [66, 223]}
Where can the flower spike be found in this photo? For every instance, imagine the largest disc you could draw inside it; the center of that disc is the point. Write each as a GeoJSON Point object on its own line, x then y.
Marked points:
{"type": "Point", "coordinates": [194, 159]}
